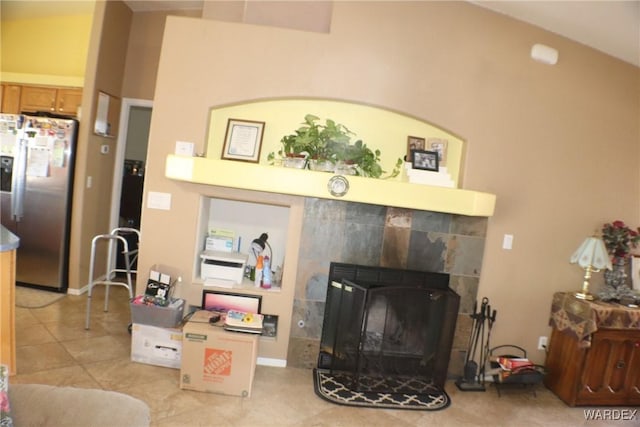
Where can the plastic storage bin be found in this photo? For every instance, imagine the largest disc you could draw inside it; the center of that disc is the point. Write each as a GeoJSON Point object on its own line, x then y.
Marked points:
{"type": "Point", "coordinates": [156, 315]}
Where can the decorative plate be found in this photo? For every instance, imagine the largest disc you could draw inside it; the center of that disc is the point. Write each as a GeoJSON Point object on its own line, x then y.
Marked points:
{"type": "Point", "coordinates": [338, 185]}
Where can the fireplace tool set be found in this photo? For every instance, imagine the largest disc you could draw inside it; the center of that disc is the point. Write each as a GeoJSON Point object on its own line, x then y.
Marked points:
{"type": "Point", "coordinates": [474, 369]}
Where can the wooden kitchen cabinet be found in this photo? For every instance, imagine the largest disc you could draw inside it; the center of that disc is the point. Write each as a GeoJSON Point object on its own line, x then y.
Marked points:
{"type": "Point", "coordinates": [28, 99]}
{"type": "Point", "coordinates": [68, 101]}
{"type": "Point", "coordinates": [38, 98]}
{"type": "Point", "coordinates": [8, 247]}
{"type": "Point", "coordinates": [11, 98]}
{"type": "Point", "coordinates": [603, 369]}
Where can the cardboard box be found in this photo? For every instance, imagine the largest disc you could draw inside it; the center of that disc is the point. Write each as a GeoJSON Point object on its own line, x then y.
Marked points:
{"type": "Point", "coordinates": [219, 243]}
{"type": "Point", "coordinates": [215, 360]}
{"type": "Point", "coordinates": [156, 346]}
{"type": "Point", "coordinates": [157, 315]}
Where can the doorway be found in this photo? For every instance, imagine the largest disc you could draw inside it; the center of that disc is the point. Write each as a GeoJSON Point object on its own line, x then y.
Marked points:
{"type": "Point", "coordinates": [130, 162]}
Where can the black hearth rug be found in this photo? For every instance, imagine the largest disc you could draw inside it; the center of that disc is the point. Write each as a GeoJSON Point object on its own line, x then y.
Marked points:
{"type": "Point", "coordinates": [332, 388]}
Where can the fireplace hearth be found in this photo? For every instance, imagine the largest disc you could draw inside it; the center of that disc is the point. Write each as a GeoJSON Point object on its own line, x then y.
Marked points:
{"type": "Point", "coordinates": [387, 329]}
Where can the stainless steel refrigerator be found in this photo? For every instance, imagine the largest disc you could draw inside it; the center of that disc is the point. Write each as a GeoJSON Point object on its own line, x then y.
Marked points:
{"type": "Point", "coordinates": [37, 156]}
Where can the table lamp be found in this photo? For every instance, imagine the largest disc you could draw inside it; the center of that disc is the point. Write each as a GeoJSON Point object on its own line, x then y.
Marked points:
{"type": "Point", "coordinates": [592, 256]}
{"type": "Point", "coordinates": [258, 245]}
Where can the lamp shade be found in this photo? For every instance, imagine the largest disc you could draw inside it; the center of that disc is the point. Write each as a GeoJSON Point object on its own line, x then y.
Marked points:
{"type": "Point", "coordinates": [258, 245]}
{"type": "Point", "coordinates": [592, 253]}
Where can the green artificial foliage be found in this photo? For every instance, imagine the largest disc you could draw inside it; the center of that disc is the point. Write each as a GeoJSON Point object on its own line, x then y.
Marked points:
{"type": "Point", "coordinates": [331, 142]}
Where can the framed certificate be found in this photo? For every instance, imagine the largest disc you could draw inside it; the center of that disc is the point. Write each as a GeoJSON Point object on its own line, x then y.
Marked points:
{"type": "Point", "coordinates": [243, 140]}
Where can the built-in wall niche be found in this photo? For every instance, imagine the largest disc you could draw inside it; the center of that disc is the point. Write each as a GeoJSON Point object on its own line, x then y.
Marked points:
{"type": "Point", "coordinates": [250, 213]}
{"type": "Point", "coordinates": [247, 221]}
{"type": "Point", "coordinates": [379, 128]}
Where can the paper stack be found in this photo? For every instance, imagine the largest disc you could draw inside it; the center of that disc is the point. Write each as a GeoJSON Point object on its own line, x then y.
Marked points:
{"type": "Point", "coordinates": [240, 321]}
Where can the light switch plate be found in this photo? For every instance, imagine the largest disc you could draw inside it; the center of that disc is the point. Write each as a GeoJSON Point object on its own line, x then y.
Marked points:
{"type": "Point", "coordinates": [160, 201]}
{"type": "Point", "coordinates": [185, 148]}
{"type": "Point", "coordinates": [507, 242]}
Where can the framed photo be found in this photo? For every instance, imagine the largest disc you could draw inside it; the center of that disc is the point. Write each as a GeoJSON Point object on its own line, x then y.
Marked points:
{"type": "Point", "coordinates": [414, 143]}
{"type": "Point", "coordinates": [440, 146]}
{"type": "Point", "coordinates": [243, 140]}
{"type": "Point", "coordinates": [425, 160]}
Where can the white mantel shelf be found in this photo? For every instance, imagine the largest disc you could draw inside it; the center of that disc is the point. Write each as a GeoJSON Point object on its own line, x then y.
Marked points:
{"type": "Point", "coordinates": [275, 179]}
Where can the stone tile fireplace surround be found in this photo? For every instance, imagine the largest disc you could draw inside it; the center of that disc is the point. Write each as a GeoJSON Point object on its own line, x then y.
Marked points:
{"type": "Point", "coordinates": [367, 234]}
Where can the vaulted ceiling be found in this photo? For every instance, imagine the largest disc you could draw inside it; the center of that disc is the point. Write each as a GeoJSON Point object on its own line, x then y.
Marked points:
{"type": "Point", "coordinates": [612, 27]}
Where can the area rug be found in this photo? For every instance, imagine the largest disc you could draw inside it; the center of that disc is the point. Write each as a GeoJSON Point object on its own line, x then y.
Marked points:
{"type": "Point", "coordinates": [332, 388]}
{"type": "Point", "coordinates": [35, 298]}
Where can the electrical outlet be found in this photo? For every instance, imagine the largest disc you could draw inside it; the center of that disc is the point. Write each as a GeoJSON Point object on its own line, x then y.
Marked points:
{"type": "Point", "coordinates": [542, 343]}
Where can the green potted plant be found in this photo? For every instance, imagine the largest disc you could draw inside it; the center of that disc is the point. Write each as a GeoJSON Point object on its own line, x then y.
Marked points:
{"type": "Point", "coordinates": [322, 140]}
{"type": "Point", "coordinates": [328, 144]}
{"type": "Point", "coordinates": [293, 152]}
{"type": "Point", "coordinates": [358, 159]}
{"type": "Point", "coordinates": [313, 140]}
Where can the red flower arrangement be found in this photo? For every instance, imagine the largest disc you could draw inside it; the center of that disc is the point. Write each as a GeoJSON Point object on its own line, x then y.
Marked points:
{"type": "Point", "coordinates": [620, 239]}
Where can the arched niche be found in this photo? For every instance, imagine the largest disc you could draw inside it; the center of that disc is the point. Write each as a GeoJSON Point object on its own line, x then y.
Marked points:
{"type": "Point", "coordinates": [379, 128]}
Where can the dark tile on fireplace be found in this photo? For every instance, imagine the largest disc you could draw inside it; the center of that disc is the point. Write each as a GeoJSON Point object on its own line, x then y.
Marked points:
{"type": "Point", "coordinates": [469, 225]}
{"type": "Point", "coordinates": [364, 213]}
{"type": "Point", "coordinates": [309, 315]}
{"type": "Point", "coordinates": [311, 279]}
{"type": "Point", "coordinates": [430, 221]}
{"type": "Point", "coordinates": [395, 248]}
{"type": "Point", "coordinates": [398, 217]}
{"type": "Point", "coordinates": [362, 244]}
{"type": "Point", "coordinates": [427, 251]}
{"type": "Point", "coordinates": [467, 288]}
{"type": "Point", "coordinates": [322, 239]}
{"type": "Point", "coordinates": [465, 255]}
{"type": "Point", "coordinates": [303, 353]}
{"type": "Point", "coordinates": [333, 210]}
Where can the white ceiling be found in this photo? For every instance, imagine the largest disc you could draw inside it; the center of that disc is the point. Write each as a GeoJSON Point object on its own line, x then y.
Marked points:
{"type": "Point", "coordinates": [610, 26]}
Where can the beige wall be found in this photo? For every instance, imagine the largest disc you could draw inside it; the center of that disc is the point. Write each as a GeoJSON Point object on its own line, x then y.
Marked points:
{"type": "Point", "coordinates": [91, 206]}
{"type": "Point", "coordinates": [143, 52]}
{"type": "Point", "coordinates": [559, 145]}
{"type": "Point", "coordinates": [122, 61]}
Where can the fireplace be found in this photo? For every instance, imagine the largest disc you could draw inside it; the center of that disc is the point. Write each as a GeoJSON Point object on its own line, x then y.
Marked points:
{"type": "Point", "coordinates": [385, 327]}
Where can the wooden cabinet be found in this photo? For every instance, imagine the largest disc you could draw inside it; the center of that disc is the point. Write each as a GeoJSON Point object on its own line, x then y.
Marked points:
{"type": "Point", "coordinates": [21, 98]}
{"type": "Point", "coordinates": [606, 373]}
{"type": "Point", "coordinates": [68, 101]}
{"type": "Point", "coordinates": [8, 247]}
{"type": "Point", "coordinates": [11, 98]}
{"type": "Point", "coordinates": [38, 98]}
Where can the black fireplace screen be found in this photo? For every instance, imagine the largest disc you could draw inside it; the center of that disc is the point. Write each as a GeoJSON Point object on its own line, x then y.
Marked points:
{"type": "Point", "coordinates": [384, 327]}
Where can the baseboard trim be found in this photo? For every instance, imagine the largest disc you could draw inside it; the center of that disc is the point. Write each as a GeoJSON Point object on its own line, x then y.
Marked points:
{"type": "Point", "coordinates": [268, 361]}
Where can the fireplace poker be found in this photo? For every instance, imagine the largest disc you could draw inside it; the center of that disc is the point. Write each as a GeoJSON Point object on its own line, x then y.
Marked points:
{"type": "Point", "coordinates": [471, 335]}
{"type": "Point", "coordinates": [469, 382]}
{"type": "Point", "coordinates": [487, 318]}
{"type": "Point", "coordinates": [491, 319]}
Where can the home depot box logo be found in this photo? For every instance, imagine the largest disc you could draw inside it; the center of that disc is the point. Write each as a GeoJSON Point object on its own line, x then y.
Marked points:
{"type": "Point", "coordinates": [217, 363]}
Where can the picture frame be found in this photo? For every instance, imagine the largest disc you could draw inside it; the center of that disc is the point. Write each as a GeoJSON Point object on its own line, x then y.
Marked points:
{"type": "Point", "coordinates": [425, 160]}
{"type": "Point", "coordinates": [243, 140]}
{"type": "Point", "coordinates": [414, 143]}
{"type": "Point", "coordinates": [439, 145]}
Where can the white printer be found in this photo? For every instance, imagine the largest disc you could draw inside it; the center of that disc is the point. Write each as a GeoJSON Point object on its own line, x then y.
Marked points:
{"type": "Point", "coordinates": [223, 265]}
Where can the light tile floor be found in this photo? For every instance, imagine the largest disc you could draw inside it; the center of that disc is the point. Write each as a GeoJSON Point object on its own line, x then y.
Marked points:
{"type": "Point", "coordinates": [54, 348]}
